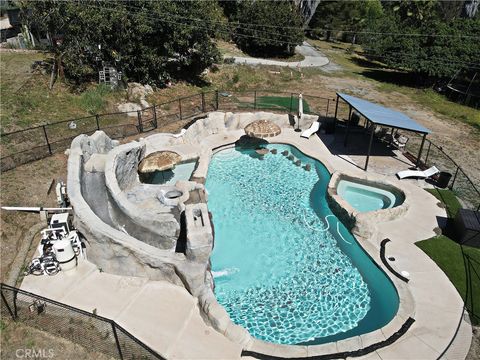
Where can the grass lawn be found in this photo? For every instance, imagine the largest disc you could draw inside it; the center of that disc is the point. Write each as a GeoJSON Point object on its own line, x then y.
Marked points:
{"type": "Point", "coordinates": [27, 101]}
{"type": "Point", "coordinates": [448, 198]}
{"type": "Point", "coordinates": [278, 102]}
{"type": "Point", "coordinates": [448, 256]}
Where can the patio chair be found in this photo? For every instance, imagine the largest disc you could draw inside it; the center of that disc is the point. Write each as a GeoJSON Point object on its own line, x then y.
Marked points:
{"type": "Point", "coordinates": [313, 129]}
{"type": "Point", "coordinates": [417, 173]}
{"type": "Point", "coordinates": [381, 132]}
{"type": "Point", "coordinates": [400, 141]}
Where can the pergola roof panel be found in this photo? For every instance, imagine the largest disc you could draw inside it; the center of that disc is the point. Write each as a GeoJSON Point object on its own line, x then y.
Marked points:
{"type": "Point", "coordinates": [381, 115]}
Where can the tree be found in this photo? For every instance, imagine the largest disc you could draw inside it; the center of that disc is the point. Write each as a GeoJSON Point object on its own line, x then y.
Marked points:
{"type": "Point", "coordinates": [414, 36]}
{"type": "Point", "coordinates": [347, 17]}
{"type": "Point", "coordinates": [257, 27]}
{"type": "Point", "coordinates": [150, 41]}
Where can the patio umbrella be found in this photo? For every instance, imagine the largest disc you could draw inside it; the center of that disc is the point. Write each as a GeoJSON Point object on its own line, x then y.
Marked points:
{"type": "Point", "coordinates": [300, 111]}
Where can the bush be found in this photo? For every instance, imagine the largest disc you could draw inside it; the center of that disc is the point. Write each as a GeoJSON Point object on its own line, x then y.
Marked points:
{"type": "Point", "coordinates": [93, 99]}
{"type": "Point", "coordinates": [257, 31]}
{"type": "Point", "coordinates": [229, 60]}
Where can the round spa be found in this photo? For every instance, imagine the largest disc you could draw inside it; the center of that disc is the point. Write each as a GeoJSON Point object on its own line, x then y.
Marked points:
{"type": "Point", "coordinates": [284, 266]}
{"type": "Point", "coordinates": [365, 196]}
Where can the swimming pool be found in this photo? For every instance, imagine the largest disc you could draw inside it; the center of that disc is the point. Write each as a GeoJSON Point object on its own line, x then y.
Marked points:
{"type": "Point", "coordinates": [181, 171]}
{"type": "Point", "coordinates": [284, 266]}
{"type": "Point", "coordinates": [365, 198]}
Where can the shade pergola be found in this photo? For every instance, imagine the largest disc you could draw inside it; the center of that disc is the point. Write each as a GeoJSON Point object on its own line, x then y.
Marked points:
{"type": "Point", "coordinates": [380, 115]}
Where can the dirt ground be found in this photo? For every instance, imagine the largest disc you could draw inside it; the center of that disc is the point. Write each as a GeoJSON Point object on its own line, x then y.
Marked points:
{"type": "Point", "coordinates": [18, 341]}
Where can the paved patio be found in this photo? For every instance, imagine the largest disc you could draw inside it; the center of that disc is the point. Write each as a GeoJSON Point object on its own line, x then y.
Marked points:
{"type": "Point", "coordinates": [166, 317]}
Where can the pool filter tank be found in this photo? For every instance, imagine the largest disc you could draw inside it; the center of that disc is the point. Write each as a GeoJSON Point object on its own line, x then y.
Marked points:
{"type": "Point", "coordinates": [65, 255]}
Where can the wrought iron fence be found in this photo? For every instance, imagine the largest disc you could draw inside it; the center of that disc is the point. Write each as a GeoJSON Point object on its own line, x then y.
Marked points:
{"type": "Point", "coordinates": [460, 183]}
{"type": "Point", "coordinates": [472, 296]}
{"type": "Point", "coordinates": [81, 327]}
{"type": "Point", "coordinates": [23, 146]}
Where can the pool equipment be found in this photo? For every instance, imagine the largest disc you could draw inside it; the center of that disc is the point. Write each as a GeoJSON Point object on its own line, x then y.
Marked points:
{"type": "Point", "coordinates": [65, 254]}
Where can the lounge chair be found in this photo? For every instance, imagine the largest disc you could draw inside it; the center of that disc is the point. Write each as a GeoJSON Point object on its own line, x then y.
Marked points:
{"type": "Point", "coordinates": [313, 129]}
{"type": "Point", "coordinates": [417, 173]}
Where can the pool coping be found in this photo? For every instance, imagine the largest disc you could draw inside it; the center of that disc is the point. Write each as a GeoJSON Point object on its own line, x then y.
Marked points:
{"type": "Point", "coordinates": [356, 344]}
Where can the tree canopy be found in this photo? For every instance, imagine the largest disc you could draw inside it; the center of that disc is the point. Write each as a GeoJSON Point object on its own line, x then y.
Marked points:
{"type": "Point", "coordinates": [266, 27]}
{"type": "Point", "coordinates": [430, 38]}
{"type": "Point", "coordinates": [425, 37]}
{"type": "Point", "coordinates": [150, 41]}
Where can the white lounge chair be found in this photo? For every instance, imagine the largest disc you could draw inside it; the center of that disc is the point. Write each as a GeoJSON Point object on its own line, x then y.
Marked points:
{"type": "Point", "coordinates": [180, 134]}
{"type": "Point", "coordinates": [313, 129]}
{"type": "Point", "coordinates": [417, 173]}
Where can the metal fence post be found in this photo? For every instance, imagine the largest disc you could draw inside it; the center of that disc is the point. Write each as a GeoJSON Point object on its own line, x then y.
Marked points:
{"type": "Point", "coordinates": [180, 108]}
{"type": "Point", "coordinates": [291, 102]}
{"type": "Point", "coordinates": [428, 152]}
{"type": "Point", "coordinates": [140, 125]}
{"type": "Point", "coordinates": [255, 100]}
{"type": "Point", "coordinates": [7, 305]}
{"type": "Point", "coordinates": [46, 139]}
{"type": "Point", "coordinates": [203, 102]}
{"type": "Point", "coordinates": [155, 116]}
{"type": "Point", "coordinates": [116, 340]}
{"type": "Point", "coordinates": [454, 178]}
{"type": "Point", "coordinates": [216, 99]}
{"type": "Point", "coordinates": [98, 123]}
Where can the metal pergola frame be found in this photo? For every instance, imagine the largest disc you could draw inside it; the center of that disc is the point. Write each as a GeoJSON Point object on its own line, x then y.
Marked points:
{"type": "Point", "coordinates": [372, 131]}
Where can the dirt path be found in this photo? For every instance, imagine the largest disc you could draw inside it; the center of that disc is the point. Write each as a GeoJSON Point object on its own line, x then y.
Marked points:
{"type": "Point", "coordinates": [313, 58]}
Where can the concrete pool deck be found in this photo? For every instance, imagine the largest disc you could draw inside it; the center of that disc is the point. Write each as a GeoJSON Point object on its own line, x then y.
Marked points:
{"type": "Point", "coordinates": [167, 318]}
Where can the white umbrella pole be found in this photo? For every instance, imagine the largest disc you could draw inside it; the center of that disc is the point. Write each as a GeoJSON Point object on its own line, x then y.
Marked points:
{"type": "Point", "coordinates": [300, 112]}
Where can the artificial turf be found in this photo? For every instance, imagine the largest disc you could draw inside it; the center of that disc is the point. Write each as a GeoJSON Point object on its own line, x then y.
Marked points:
{"type": "Point", "coordinates": [449, 256]}
{"type": "Point", "coordinates": [449, 199]}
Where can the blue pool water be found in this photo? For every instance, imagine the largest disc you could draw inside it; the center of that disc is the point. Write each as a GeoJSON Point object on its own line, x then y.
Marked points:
{"type": "Point", "coordinates": [181, 171]}
{"type": "Point", "coordinates": [366, 198]}
{"type": "Point", "coordinates": [284, 267]}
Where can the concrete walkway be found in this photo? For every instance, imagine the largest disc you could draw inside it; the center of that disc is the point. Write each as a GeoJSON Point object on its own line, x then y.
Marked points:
{"type": "Point", "coordinates": [163, 316]}
{"type": "Point", "coordinates": [313, 58]}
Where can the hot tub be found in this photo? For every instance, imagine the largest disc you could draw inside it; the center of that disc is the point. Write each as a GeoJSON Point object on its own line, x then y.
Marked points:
{"type": "Point", "coordinates": [363, 197]}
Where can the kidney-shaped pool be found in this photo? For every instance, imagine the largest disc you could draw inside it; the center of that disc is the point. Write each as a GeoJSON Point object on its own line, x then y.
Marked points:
{"type": "Point", "coordinates": [284, 266]}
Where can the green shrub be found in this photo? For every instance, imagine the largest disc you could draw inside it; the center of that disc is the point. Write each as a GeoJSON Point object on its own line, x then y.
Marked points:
{"type": "Point", "coordinates": [93, 100]}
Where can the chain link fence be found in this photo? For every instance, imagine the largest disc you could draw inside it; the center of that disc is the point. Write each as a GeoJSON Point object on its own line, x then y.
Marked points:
{"type": "Point", "coordinates": [83, 328]}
